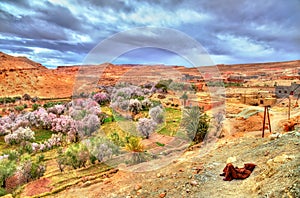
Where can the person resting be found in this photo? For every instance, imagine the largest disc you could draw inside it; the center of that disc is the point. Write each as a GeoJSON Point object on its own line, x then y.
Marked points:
{"type": "Point", "coordinates": [230, 172]}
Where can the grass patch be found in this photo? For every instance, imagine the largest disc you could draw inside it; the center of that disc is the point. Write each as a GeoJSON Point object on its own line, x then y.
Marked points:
{"type": "Point", "coordinates": [42, 135]}
{"type": "Point", "coordinates": [160, 144]}
{"type": "Point", "coordinates": [173, 119]}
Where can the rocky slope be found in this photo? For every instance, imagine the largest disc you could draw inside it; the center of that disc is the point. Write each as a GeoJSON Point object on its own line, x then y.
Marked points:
{"type": "Point", "coordinates": [196, 173]}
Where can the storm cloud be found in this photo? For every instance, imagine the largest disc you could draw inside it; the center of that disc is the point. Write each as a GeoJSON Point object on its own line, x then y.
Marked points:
{"type": "Point", "coordinates": [233, 31]}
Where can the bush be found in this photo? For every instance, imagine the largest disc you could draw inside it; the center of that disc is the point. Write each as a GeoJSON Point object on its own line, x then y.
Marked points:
{"type": "Point", "coordinates": [7, 169]}
{"type": "Point", "coordinates": [115, 138]}
{"type": "Point", "coordinates": [146, 126]}
{"type": "Point", "coordinates": [19, 108]}
{"type": "Point", "coordinates": [35, 106]}
{"type": "Point", "coordinates": [51, 104]}
{"type": "Point", "coordinates": [2, 192]}
{"type": "Point", "coordinates": [196, 123]}
{"type": "Point", "coordinates": [12, 155]}
{"type": "Point", "coordinates": [76, 156]}
{"type": "Point", "coordinates": [31, 169]}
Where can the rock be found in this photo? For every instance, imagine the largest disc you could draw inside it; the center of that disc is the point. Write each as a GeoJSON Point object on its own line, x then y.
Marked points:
{"type": "Point", "coordinates": [187, 190]}
{"type": "Point", "coordinates": [231, 159]}
{"type": "Point", "coordinates": [138, 187]}
{"type": "Point", "coordinates": [275, 136]}
{"type": "Point", "coordinates": [197, 169]}
{"type": "Point", "coordinates": [139, 192]}
{"type": "Point", "coordinates": [194, 183]}
{"type": "Point", "coordinates": [158, 175]}
{"type": "Point", "coordinates": [163, 194]}
{"type": "Point", "coordinates": [87, 183]}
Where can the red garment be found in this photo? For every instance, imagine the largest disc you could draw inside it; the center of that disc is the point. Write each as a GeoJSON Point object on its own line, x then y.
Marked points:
{"type": "Point", "coordinates": [230, 172]}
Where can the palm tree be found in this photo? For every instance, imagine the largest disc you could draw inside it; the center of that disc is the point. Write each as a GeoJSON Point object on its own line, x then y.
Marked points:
{"type": "Point", "coordinates": [136, 148]}
{"type": "Point", "coordinates": [196, 123]}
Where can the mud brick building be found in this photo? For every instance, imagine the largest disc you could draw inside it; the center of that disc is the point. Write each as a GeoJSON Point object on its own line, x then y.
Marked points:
{"type": "Point", "coordinates": [285, 91]}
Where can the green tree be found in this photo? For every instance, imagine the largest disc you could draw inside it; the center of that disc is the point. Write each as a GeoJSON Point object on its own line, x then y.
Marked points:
{"type": "Point", "coordinates": [7, 169]}
{"type": "Point", "coordinates": [196, 123]}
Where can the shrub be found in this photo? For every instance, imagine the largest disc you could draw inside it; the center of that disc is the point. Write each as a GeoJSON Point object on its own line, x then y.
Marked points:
{"type": "Point", "coordinates": [51, 104]}
{"type": "Point", "coordinates": [134, 144]}
{"type": "Point", "coordinates": [61, 159]}
{"type": "Point", "coordinates": [35, 106]}
{"type": "Point", "coordinates": [76, 156]}
{"type": "Point", "coordinates": [115, 138]}
{"type": "Point", "coordinates": [11, 155]}
{"type": "Point", "coordinates": [19, 108]}
{"type": "Point", "coordinates": [196, 123]}
{"type": "Point", "coordinates": [2, 192]}
{"type": "Point", "coordinates": [146, 126]}
{"type": "Point", "coordinates": [31, 169]}
{"type": "Point", "coordinates": [157, 114]}
{"type": "Point", "coordinates": [7, 169]}
{"type": "Point", "coordinates": [26, 97]}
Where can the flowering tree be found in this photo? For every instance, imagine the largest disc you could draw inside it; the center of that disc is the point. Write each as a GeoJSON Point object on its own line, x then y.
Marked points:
{"type": "Point", "coordinates": [135, 106]}
{"type": "Point", "coordinates": [56, 109]}
{"type": "Point", "coordinates": [146, 126]}
{"type": "Point", "coordinates": [101, 148]}
{"type": "Point", "coordinates": [20, 135]}
{"type": "Point", "coordinates": [157, 114]}
{"type": "Point", "coordinates": [101, 98]}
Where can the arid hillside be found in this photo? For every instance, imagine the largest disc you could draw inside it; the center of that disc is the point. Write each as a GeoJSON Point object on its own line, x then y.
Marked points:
{"type": "Point", "coordinates": [19, 75]}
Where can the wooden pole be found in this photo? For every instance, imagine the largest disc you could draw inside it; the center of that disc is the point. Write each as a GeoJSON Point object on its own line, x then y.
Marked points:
{"type": "Point", "coordinates": [289, 113]}
{"type": "Point", "coordinates": [268, 114]}
{"type": "Point", "coordinates": [263, 129]}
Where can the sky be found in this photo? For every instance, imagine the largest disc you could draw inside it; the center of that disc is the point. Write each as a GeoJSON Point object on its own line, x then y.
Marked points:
{"type": "Point", "coordinates": [64, 32]}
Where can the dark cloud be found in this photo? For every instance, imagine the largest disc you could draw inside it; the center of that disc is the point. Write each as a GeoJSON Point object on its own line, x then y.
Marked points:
{"type": "Point", "coordinates": [63, 32]}
{"type": "Point", "coordinates": [58, 15]}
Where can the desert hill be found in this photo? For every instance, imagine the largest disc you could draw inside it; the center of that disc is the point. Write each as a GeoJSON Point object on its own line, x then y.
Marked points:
{"type": "Point", "coordinates": [19, 75]}
{"type": "Point", "coordinates": [8, 62]}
